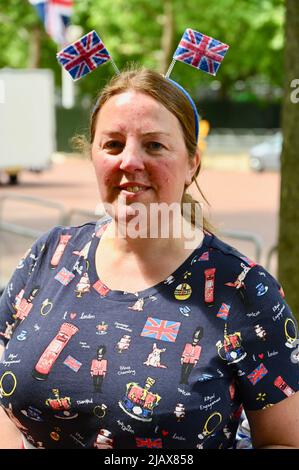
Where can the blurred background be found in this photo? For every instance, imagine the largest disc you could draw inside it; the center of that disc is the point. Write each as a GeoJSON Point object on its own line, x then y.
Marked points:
{"type": "Point", "coordinates": [44, 182]}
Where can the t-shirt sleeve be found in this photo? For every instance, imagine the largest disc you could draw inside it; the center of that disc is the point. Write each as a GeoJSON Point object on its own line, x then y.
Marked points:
{"type": "Point", "coordinates": [261, 341]}
{"type": "Point", "coordinates": [14, 290]}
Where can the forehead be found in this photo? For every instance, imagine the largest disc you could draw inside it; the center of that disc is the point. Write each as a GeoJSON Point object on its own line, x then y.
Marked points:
{"type": "Point", "coordinates": [133, 109]}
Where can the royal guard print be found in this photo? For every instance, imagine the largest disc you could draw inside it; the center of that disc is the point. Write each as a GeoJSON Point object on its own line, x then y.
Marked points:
{"type": "Point", "coordinates": [24, 307]}
{"type": "Point", "coordinates": [98, 369]}
{"type": "Point", "coordinates": [52, 352]}
{"type": "Point", "coordinates": [231, 349]}
{"type": "Point", "coordinates": [191, 355]}
{"type": "Point", "coordinates": [154, 358]}
{"type": "Point", "coordinates": [139, 402]}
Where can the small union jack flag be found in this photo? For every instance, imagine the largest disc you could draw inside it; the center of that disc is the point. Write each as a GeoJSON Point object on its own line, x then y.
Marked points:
{"type": "Point", "coordinates": [257, 375]}
{"type": "Point", "coordinates": [64, 276]}
{"type": "Point", "coordinates": [72, 363]}
{"type": "Point", "coordinates": [149, 442]}
{"type": "Point", "coordinates": [161, 329]}
{"type": "Point", "coordinates": [223, 311]}
{"type": "Point", "coordinates": [84, 55]}
{"type": "Point", "coordinates": [200, 51]}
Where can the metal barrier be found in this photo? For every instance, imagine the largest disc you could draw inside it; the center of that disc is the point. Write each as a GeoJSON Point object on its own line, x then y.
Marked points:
{"type": "Point", "coordinates": [65, 217]}
{"type": "Point", "coordinates": [269, 256]}
{"type": "Point", "coordinates": [21, 230]}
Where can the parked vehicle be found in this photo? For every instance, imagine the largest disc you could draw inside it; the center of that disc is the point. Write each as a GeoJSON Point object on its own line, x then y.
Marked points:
{"type": "Point", "coordinates": [27, 116]}
{"type": "Point", "coordinates": [266, 155]}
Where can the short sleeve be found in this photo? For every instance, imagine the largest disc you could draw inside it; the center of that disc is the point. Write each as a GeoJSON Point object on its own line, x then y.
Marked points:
{"type": "Point", "coordinates": [261, 342]}
{"type": "Point", "coordinates": [15, 288]}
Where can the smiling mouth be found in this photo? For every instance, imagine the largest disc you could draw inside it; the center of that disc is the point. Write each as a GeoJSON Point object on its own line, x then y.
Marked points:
{"type": "Point", "coordinates": [133, 188]}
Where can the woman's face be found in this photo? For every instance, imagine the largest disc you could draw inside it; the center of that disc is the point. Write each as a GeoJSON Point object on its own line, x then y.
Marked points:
{"type": "Point", "coordinates": [139, 153]}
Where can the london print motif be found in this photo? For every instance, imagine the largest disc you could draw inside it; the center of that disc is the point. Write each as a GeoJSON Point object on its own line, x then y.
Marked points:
{"type": "Point", "coordinates": [139, 398]}
{"type": "Point", "coordinates": [139, 402]}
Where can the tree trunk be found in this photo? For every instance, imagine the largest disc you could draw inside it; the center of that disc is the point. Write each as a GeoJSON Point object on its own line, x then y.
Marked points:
{"type": "Point", "coordinates": [35, 47]}
{"type": "Point", "coordinates": [288, 245]}
{"type": "Point", "coordinates": [167, 36]}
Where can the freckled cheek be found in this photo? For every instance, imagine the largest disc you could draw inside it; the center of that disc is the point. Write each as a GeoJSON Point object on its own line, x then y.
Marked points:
{"type": "Point", "coordinates": [105, 171]}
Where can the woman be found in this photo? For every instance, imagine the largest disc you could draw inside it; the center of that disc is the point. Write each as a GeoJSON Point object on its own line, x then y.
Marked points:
{"type": "Point", "coordinates": [126, 339]}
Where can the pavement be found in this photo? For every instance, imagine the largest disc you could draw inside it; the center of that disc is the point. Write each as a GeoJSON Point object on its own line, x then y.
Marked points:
{"type": "Point", "coordinates": [240, 200]}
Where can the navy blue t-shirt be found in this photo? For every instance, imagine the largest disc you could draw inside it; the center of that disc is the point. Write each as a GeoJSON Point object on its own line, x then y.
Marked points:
{"type": "Point", "coordinates": [167, 367]}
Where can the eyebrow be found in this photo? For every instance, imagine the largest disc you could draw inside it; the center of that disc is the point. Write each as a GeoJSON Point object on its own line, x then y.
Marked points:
{"type": "Point", "coordinates": [111, 133]}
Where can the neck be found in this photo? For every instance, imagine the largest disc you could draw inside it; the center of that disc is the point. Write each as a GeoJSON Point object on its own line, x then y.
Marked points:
{"type": "Point", "coordinates": [147, 246]}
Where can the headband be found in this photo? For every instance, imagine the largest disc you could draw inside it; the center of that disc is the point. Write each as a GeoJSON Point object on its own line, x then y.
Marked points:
{"type": "Point", "coordinates": [195, 49]}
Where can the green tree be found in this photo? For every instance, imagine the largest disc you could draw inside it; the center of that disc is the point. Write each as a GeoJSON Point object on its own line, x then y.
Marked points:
{"type": "Point", "coordinates": [289, 198]}
{"type": "Point", "coordinates": [147, 32]}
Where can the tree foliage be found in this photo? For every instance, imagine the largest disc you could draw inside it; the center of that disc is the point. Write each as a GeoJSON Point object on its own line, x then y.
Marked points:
{"type": "Point", "coordinates": [133, 31]}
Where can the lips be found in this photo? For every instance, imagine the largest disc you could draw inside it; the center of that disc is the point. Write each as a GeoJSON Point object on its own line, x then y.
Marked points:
{"type": "Point", "coordinates": [133, 187]}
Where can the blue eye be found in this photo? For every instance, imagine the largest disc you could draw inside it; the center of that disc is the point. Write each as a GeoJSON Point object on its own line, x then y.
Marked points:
{"type": "Point", "coordinates": [155, 146]}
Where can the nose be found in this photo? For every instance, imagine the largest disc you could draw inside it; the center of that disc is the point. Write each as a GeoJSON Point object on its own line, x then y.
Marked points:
{"type": "Point", "coordinates": [131, 158]}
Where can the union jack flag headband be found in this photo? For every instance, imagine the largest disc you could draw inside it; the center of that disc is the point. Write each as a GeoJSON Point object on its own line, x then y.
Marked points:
{"type": "Point", "coordinates": [195, 49]}
{"type": "Point", "coordinates": [196, 115]}
{"type": "Point", "coordinates": [84, 55]}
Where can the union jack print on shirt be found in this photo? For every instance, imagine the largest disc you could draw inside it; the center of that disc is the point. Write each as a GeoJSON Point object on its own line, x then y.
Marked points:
{"type": "Point", "coordinates": [200, 51]}
{"type": "Point", "coordinates": [64, 276]}
{"type": "Point", "coordinates": [161, 329]}
{"type": "Point", "coordinates": [149, 442]}
{"type": "Point", "coordinates": [257, 375]}
{"type": "Point", "coordinates": [84, 55]}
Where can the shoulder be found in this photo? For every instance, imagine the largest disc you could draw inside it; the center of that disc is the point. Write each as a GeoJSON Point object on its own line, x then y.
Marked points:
{"type": "Point", "coordinates": [229, 262]}
{"type": "Point", "coordinates": [236, 270]}
{"type": "Point", "coordinates": [73, 234]}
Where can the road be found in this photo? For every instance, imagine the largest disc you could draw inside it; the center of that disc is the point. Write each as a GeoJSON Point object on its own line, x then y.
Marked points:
{"type": "Point", "coordinates": [239, 200]}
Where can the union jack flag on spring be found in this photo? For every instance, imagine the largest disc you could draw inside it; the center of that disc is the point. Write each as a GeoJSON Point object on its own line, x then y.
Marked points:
{"type": "Point", "coordinates": [200, 51]}
{"type": "Point", "coordinates": [257, 375]}
{"type": "Point", "coordinates": [84, 55]}
{"type": "Point", "coordinates": [161, 329]}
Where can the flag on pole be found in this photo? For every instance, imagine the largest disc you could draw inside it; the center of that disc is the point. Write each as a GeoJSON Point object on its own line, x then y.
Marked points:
{"type": "Point", "coordinates": [200, 51]}
{"type": "Point", "coordinates": [84, 55]}
{"type": "Point", "coordinates": [55, 15]}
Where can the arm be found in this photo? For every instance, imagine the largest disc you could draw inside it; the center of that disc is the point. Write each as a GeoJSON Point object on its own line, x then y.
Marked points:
{"type": "Point", "coordinates": [276, 427]}
{"type": "Point", "coordinates": [10, 436]}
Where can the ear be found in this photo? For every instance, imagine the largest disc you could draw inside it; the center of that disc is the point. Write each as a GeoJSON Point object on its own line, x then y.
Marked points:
{"type": "Point", "coordinates": [194, 164]}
